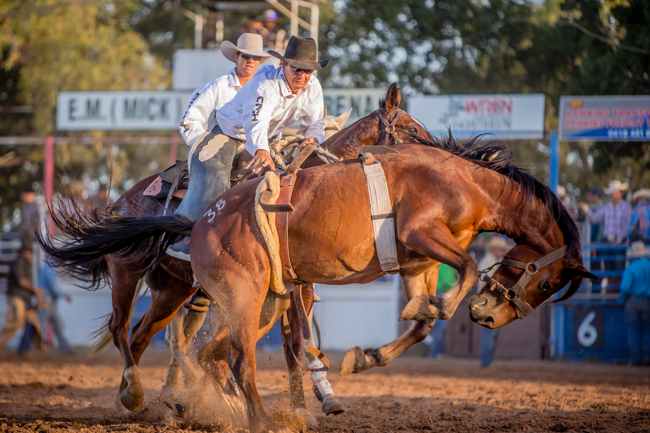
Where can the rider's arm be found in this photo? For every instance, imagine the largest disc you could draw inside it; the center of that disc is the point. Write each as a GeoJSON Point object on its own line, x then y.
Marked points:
{"type": "Point", "coordinates": [313, 123]}
{"type": "Point", "coordinates": [200, 108]}
{"type": "Point", "coordinates": [257, 113]}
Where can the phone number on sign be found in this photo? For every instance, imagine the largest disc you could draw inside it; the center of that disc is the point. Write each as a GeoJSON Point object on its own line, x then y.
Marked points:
{"type": "Point", "coordinates": [628, 133]}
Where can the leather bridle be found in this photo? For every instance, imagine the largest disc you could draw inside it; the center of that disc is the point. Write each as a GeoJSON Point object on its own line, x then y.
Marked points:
{"type": "Point", "coordinates": [389, 130]}
{"type": "Point", "coordinates": [517, 294]}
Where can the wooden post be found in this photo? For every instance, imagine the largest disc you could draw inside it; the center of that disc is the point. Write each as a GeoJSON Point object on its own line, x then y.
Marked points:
{"type": "Point", "coordinates": [48, 178]}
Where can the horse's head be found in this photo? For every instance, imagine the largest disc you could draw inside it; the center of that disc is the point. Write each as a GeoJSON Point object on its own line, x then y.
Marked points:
{"type": "Point", "coordinates": [335, 124]}
{"type": "Point", "coordinates": [385, 126]}
{"type": "Point", "coordinates": [524, 280]}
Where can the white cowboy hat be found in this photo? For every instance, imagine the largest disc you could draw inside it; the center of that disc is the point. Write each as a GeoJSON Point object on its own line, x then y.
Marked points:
{"type": "Point", "coordinates": [615, 185]}
{"type": "Point", "coordinates": [248, 43]}
{"type": "Point", "coordinates": [498, 242]}
{"type": "Point", "coordinates": [637, 250]}
{"type": "Point", "coordinates": [642, 193]}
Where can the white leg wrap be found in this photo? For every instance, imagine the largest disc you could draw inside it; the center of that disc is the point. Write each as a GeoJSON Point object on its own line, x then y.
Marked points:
{"type": "Point", "coordinates": [319, 379]}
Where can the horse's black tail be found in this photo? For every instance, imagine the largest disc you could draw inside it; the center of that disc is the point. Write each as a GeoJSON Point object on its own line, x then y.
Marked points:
{"type": "Point", "coordinates": [90, 234]}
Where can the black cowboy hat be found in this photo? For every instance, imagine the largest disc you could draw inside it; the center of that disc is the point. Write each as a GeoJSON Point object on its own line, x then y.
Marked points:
{"type": "Point", "coordinates": [301, 53]}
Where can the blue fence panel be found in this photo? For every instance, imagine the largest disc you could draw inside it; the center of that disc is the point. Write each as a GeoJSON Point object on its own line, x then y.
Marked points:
{"type": "Point", "coordinates": [591, 326]}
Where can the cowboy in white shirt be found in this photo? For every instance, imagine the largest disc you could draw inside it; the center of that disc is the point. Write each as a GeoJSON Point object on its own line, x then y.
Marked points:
{"type": "Point", "coordinates": [199, 118]}
{"type": "Point", "coordinates": [209, 97]}
{"type": "Point", "coordinates": [274, 99]}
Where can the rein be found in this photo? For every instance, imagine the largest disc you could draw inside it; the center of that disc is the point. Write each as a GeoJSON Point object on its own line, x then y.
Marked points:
{"type": "Point", "coordinates": [517, 294]}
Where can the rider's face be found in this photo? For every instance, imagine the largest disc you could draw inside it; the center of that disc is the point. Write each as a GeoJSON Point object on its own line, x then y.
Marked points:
{"type": "Point", "coordinates": [247, 67]}
{"type": "Point", "coordinates": [296, 80]}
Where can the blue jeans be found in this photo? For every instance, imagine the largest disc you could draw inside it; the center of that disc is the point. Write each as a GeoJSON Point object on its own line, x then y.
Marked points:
{"type": "Point", "coordinates": [488, 344]}
{"type": "Point", "coordinates": [438, 334]}
{"type": "Point", "coordinates": [637, 322]}
{"type": "Point", "coordinates": [51, 315]}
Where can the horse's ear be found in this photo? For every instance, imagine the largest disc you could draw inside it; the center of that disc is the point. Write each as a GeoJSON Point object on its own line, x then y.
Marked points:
{"type": "Point", "coordinates": [578, 273]}
{"type": "Point", "coordinates": [393, 97]}
{"type": "Point", "coordinates": [343, 118]}
{"type": "Point", "coordinates": [325, 112]}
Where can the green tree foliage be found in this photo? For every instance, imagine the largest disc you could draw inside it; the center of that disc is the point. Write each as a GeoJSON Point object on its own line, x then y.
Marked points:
{"type": "Point", "coordinates": [49, 46]}
{"type": "Point", "coordinates": [571, 47]}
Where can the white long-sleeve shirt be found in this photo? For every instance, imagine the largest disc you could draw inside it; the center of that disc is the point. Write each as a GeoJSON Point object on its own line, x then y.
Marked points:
{"type": "Point", "coordinates": [266, 106]}
{"type": "Point", "coordinates": [204, 103]}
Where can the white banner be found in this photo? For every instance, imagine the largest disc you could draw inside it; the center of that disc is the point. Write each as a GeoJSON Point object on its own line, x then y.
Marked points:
{"type": "Point", "coordinates": [508, 117]}
{"type": "Point", "coordinates": [120, 110]}
{"type": "Point", "coordinates": [83, 111]}
{"type": "Point", "coordinates": [362, 102]}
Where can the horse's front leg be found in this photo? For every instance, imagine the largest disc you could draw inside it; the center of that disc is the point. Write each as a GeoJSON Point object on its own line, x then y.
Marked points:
{"type": "Point", "coordinates": [358, 360]}
{"type": "Point", "coordinates": [441, 246]}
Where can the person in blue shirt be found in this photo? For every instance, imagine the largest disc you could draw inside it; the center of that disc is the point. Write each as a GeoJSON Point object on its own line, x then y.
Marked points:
{"type": "Point", "coordinates": [639, 229]}
{"type": "Point", "coordinates": [635, 292]}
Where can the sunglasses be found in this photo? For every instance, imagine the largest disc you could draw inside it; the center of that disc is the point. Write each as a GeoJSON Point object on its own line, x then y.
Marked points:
{"type": "Point", "coordinates": [298, 70]}
{"type": "Point", "coordinates": [248, 57]}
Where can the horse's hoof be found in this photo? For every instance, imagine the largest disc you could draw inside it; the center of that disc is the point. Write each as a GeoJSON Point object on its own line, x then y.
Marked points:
{"type": "Point", "coordinates": [131, 402]}
{"type": "Point", "coordinates": [132, 396]}
{"type": "Point", "coordinates": [418, 308]}
{"type": "Point", "coordinates": [332, 407]}
{"type": "Point", "coordinates": [308, 417]}
{"type": "Point", "coordinates": [120, 407]}
{"type": "Point", "coordinates": [354, 362]}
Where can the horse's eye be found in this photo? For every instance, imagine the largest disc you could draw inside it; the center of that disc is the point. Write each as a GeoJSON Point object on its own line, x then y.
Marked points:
{"type": "Point", "coordinates": [546, 287]}
{"type": "Point", "coordinates": [413, 130]}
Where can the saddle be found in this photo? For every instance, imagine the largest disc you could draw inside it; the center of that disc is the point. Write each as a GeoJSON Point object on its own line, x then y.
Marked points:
{"type": "Point", "coordinates": [173, 182]}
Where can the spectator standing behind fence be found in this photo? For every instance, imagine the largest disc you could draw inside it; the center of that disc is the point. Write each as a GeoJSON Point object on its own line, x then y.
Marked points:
{"type": "Point", "coordinates": [639, 229]}
{"type": "Point", "coordinates": [20, 294]}
{"type": "Point", "coordinates": [447, 278]}
{"type": "Point", "coordinates": [635, 292]}
{"type": "Point", "coordinates": [595, 202]}
{"type": "Point", "coordinates": [497, 248]}
{"type": "Point", "coordinates": [615, 215]}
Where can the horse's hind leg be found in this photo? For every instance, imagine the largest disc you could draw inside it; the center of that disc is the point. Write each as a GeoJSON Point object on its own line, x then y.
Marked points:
{"type": "Point", "coordinates": [123, 290]}
{"type": "Point", "coordinates": [213, 358]}
{"type": "Point", "coordinates": [178, 336]}
{"type": "Point", "coordinates": [168, 296]}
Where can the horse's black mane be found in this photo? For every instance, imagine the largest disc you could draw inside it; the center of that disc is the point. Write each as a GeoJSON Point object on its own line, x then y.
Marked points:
{"type": "Point", "coordinates": [495, 155]}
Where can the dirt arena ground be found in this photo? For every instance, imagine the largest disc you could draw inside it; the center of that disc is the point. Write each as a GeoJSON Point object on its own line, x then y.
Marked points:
{"type": "Point", "coordinates": [51, 393]}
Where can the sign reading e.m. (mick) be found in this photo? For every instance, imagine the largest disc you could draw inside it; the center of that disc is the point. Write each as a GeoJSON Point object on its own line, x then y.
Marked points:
{"type": "Point", "coordinates": [120, 110]}
{"type": "Point", "coordinates": [605, 118]}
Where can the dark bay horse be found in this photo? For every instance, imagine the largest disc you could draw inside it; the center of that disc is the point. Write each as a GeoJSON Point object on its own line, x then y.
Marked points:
{"type": "Point", "coordinates": [171, 282]}
{"type": "Point", "coordinates": [441, 201]}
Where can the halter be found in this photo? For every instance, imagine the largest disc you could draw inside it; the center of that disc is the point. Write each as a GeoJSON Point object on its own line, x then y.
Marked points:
{"type": "Point", "coordinates": [390, 130]}
{"type": "Point", "coordinates": [517, 294]}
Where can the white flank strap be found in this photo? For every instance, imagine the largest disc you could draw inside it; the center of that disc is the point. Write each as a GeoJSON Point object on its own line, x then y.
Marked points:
{"type": "Point", "coordinates": [382, 217]}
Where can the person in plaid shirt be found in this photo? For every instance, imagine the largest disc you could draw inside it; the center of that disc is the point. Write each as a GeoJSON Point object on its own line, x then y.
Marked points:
{"type": "Point", "coordinates": [639, 229]}
{"type": "Point", "coordinates": [616, 214]}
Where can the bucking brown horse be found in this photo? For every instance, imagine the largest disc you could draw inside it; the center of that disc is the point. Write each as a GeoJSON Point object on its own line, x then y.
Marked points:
{"type": "Point", "coordinates": [440, 202]}
{"type": "Point", "coordinates": [171, 281]}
